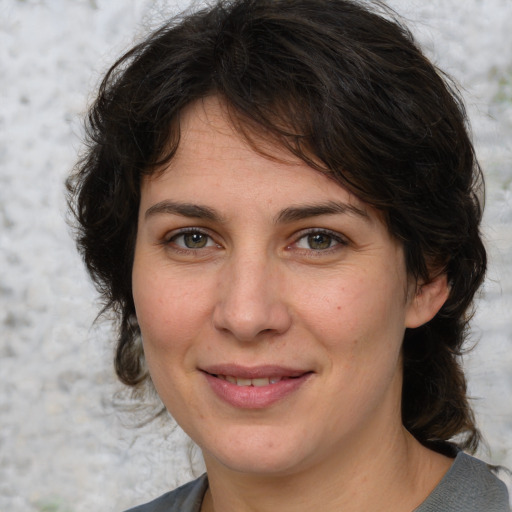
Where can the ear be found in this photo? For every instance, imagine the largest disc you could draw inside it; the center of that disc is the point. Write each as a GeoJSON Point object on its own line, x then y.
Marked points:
{"type": "Point", "coordinates": [428, 299]}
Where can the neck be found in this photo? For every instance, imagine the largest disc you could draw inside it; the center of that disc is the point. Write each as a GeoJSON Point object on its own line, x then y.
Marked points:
{"type": "Point", "coordinates": [385, 476]}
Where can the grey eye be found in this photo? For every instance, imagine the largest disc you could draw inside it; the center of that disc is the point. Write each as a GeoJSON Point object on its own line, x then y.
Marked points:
{"type": "Point", "coordinates": [195, 240]}
{"type": "Point", "coordinates": [192, 240]}
{"type": "Point", "coordinates": [319, 241]}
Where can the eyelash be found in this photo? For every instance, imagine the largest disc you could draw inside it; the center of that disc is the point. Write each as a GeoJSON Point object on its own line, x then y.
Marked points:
{"type": "Point", "coordinates": [170, 241]}
{"type": "Point", "coordinates": [338, 240]}
{"type": "Point", "coordinates": [334, 238]}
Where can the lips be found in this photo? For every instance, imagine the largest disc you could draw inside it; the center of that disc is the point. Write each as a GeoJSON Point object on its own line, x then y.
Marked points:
{"type": "Point", "coordinates": [260, 382]}
{"type": "Point", "coordinates": [254, 372]}
{"type": "Point", "coordinates": [255, 387]}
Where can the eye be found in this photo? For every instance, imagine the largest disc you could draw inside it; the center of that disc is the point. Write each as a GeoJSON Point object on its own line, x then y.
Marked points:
{"type": "Point", "coordinates": [192, 239]}
{"type": "Point", "coordinates": [319, 241]}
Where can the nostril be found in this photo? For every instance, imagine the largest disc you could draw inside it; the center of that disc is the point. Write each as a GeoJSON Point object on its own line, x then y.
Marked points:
{"type": "Point", "coordinates": [251, 320]}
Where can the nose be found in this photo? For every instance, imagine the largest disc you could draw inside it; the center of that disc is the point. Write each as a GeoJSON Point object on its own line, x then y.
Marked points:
{"type": "Point", "coordinates": [251, 302]}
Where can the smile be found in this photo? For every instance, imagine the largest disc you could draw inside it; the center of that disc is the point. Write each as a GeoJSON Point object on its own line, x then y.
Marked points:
{"type": "Point", "coordinates": [254, 388]}
{"type": "Point", "coordinates": [260, 382]}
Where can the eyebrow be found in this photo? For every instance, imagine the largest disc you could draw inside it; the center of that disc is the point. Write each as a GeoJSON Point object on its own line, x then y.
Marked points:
{"type": "Point", "coordinates": [290, 214]}
{"type": "Point", "coordinates": [183, 209]}
{"type": "Point", "coordinates": [295, 213]}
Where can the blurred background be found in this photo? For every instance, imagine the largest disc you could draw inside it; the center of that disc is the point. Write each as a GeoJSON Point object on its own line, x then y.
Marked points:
{"type": "Point", "coordinates": [65, 445]}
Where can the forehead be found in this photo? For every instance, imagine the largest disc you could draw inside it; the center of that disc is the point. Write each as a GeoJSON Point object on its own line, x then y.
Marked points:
{"type": "Point", "coordinates": [214, 157]}
{"type": "Point", "coordinates": [212, 120]}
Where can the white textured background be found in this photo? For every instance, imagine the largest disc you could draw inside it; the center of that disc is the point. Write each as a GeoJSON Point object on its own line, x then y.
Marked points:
{"type": "Point", "coordinates": [63, 446]}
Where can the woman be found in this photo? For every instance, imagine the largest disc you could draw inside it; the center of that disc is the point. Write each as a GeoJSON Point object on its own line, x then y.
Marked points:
{"type": "Point", "coordinates": [280, 201]}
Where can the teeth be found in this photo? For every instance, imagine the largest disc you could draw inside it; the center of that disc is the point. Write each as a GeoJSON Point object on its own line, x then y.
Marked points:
{"type": "Point", "coordinates": [260, 382]}
{"type": "Point", "coordinates": [264, 381]}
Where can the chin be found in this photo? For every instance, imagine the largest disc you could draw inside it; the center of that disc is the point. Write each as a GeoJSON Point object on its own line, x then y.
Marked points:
{"type": "Point", "coordinates": [266, 454]}
{"type": "Point", "coordinates": [257, 465]}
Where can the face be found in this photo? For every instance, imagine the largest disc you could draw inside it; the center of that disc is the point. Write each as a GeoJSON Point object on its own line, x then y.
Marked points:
{"type": "Point", "coordinates": [272, 304]}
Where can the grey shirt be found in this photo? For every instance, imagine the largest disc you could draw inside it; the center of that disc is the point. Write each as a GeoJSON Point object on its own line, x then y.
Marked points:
{"type": "Point", "coordinates": [468, 486]}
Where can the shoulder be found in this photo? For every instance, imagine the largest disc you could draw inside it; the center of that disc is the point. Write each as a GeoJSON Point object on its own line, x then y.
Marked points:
{"type": "Point", "coordinates": [187, 498]}
{"type": "Point", "coordinates": [469, 486]}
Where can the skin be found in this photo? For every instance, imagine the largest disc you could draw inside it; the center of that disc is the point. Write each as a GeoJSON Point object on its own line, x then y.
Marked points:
{"type": "Point", "coordinates": [325, 292]}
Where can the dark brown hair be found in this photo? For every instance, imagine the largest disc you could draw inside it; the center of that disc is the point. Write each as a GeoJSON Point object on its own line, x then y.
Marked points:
{"type": "Point", "coordinates": [348, 91]}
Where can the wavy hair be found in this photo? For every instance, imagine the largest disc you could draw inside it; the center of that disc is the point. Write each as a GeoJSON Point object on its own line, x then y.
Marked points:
{"type": "Point", "coordinates": [347, 90]}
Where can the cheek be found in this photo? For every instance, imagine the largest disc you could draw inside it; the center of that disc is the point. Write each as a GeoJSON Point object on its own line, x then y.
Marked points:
{"type": "Point", "coordinates": [154, 305]}
{"type": "Point", "coordinates": [359, 317]}
{"type": "Point", "coordinates": [171, 311]}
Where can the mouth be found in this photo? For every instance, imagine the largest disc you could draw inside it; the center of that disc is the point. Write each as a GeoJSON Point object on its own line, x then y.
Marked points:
{"type": "Point", "coordinates": [257, 383]}
{"type": "Point", "coordinates": [256, 376]}
{"type": "Point", "coordinates": [255, 387]}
